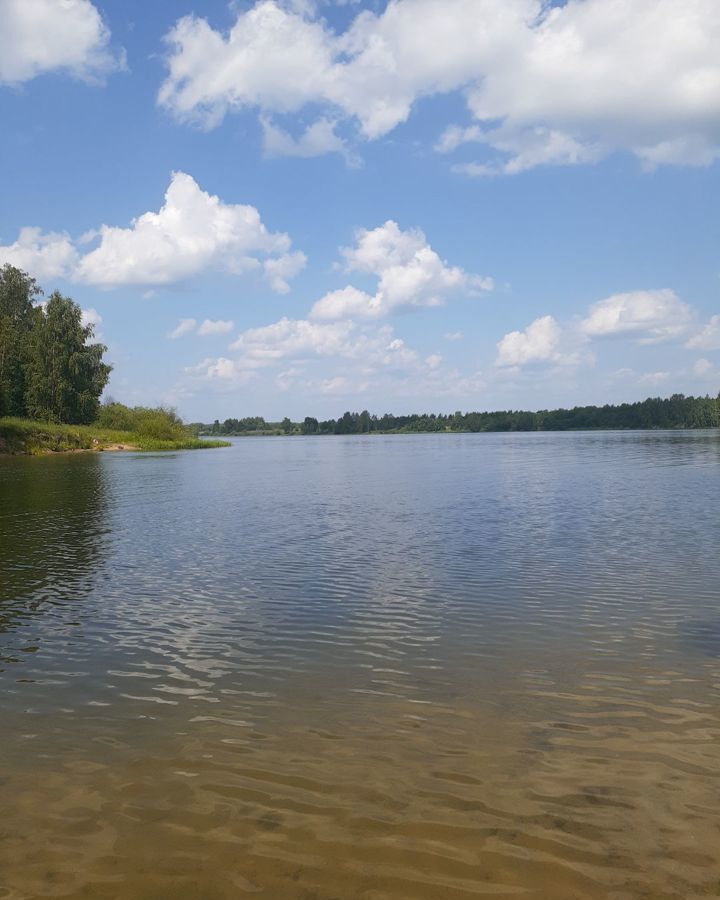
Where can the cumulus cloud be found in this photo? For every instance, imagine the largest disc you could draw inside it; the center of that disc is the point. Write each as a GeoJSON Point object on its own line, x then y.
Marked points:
{"type": "Point", "coordinates": [343, 358]}
{"type": "Point", "coordinates": [221, 372]}
{"type": "Point", "coordinates": [293, 338]}
{"type": "Point", "coordinates": [651, 316]}
{"type": "Point", "coordinates": [38, 36]}
{"type": "Point", "coordinates": [647, 317]}
{"type": "Point", "coordinates": [193, 231]}
{"type": "Point", "coordinates": [281, 270]}
{"type": "Point", "coordinates": [708, 338]}
{"type": "Point", "coordinates": [184, 326]}
{"type": "Point", "coordinates": [318, 139]}
{"type": "Point", "coordinates": [50, 255]}
{"type": "Point", "coordinates": [219, 326]}
{"type": "Point", "coordinates": [409, 272]}
{"type": "Point", "coordinates": [545, 84]}
{"type": "Point", "coordinates": [538, 343]}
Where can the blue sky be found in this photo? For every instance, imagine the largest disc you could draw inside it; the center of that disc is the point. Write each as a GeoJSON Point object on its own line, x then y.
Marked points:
{"type": "Point", "coordinates": [296, 208]}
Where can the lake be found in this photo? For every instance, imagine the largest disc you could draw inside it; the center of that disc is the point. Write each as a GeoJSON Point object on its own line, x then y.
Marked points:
{"type": "Point", "coordinates": [427, 667]}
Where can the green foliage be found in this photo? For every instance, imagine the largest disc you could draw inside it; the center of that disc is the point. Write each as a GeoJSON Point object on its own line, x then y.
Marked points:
{"type": "Point", "coordinates": [155, 424]}
{"type": "Point", "coordinates": [152, 428]}
{"type": "Point", "coordinates": [310, 426]}
{"type": "Point", "coordinates": [27, 436]}
{"type": "Point", "coordinates": [677, 411]}
{"type": "Point", "coordinates": [49, 370]}
{"type": "Point", "coordinates": [17, 314]}
{"type": "Point", "coordinates": [116, 416]}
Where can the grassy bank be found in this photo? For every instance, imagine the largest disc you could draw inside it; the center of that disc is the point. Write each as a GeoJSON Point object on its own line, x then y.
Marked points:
{"type": "Point", "coordinates": [24, 436]}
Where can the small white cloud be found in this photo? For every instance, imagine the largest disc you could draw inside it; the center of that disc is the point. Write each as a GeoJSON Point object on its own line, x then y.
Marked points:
{"type": "Point", "coordinates": [220, 371]}
{"type": "Point", "coordinates": [184, 326]}
{"type": "Point", "coordinates": [708, 338]}
{"type": "Point", "coordinates": [702, 367]}
{"type": "Point", "coordinates": [455, 136]}
{"type": "Point", "coordinates": [650, 316]}
{"type": "Point", "coordinates": [318, 139]}
{"type": "Point", "coordinates": [38, 36]}
{"type": "Point", "coordinates": [654, 378]}
{"type": "Point", "coordinates": [210, 327]}
{"type": "Point", "coordinates": [409, 272]}
{"type": "Point", "coordinates": [520, 149]}
{"type": "Point", "coordinates": [293, 338]}
{"type": "Point", "coordinates": [348, 301]}
{"type": "Point", "coordinates": [49, 255]}
{"type": "Point", "coordinates": [538, 343]}
{"type": "Point", "coordinates": [280, 270]}
{"type": "Point", "coordinates": [453, 335]}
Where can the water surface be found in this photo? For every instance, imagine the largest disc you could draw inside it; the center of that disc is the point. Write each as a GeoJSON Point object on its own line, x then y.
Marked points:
{"type": "Point", "coordinates": [363, 668]}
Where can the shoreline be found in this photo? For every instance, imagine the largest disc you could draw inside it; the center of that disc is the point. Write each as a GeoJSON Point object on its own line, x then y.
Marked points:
{"type": "Point", "coordinates": [24, 437]}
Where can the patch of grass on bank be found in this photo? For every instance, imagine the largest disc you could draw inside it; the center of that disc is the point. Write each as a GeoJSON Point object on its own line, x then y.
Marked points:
{"type": "Point", "coordinates": [25, 436]}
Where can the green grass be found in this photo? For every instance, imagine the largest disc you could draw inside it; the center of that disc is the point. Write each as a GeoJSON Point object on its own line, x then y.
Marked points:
{"type": "Point", "coordinates": [26, 436]}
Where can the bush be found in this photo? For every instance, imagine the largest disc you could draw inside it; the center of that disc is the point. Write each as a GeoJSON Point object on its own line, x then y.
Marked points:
{"type": "Point", "coordinates": [158, 424]}
{"type": "Point", "coordinates": [116, 416]}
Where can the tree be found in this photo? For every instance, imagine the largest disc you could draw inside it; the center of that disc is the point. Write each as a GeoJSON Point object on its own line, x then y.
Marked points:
{"type": "Point", "coordinates": [17, 293]}
{"type": "Point", "coordinates": [64, 375]}
{"type": "Point", "coordinates": [286, 425]}
{"type": "Point", "coordinates": [310, 425]}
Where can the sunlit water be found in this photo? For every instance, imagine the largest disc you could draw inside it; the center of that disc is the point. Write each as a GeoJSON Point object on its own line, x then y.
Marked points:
{"type": "Point", "coordinates": [367, 668]}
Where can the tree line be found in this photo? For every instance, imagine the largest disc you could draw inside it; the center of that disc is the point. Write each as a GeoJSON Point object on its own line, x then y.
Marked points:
{"type": "Point", "coordinates": [677, 411]}
{"type": "Point", "coordinates": [49, 368]}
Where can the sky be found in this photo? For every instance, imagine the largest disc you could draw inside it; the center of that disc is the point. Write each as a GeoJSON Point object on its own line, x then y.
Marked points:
{"type": "Point", "coordinates": [298, 207]}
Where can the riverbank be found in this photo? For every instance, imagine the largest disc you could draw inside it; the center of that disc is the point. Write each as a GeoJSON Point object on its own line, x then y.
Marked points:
{"type": "Point", "coordinates": [27, 437]}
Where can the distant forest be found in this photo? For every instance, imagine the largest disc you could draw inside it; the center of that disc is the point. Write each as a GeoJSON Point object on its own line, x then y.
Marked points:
{"type": "Point", "coordinates": [677, 411]}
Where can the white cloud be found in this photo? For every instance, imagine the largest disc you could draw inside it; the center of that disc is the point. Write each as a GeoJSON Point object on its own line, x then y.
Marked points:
{"type": "Point", "coordinates": [409, 272]}
{"type": "Point", "coordinates": [221, 371]}
{"type": "Point", "coordinates": [39, 36]}
{"type": "Point", "coordinates": [654, 378]}
{"type": "Point", "coordinates": [703, 367]}
{"type": "Point", "coordinates": [453, 335]}
{"type": "Point", "coordinates": [558, 84]}
{"type": "Point", "coordinates": [91, 316]}
{"type": "Point", "coordinates": [192, 232]}
{"type": "Point", "coordinates": [300, 339]}
{"type": "Point", "coordinates": [184, 326]}
{"type": "Point", "coordinates": [293, 338]}
{"type": "Point", "coordinates": [538, 343]}
{"type": "Point", "coordinates": [708, 338]}
{"type": "Point", "coordinates": [219, 326]}
{"type": "Point", "coordinates": [317, 139]}
{"type": "Point", "coordinates": [280, 270]}
{"type": "Point", "coordinates": [49, 255]}
{"type": "Point", "coordinates": [455, 136]}
{"type": "Point", "coordinates": [348, 301]}
{"type": "Point", "coordinates": [651, 316]}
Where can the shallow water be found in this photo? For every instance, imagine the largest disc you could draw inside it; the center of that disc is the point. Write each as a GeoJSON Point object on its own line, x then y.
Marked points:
{"type": "Point", "coordinates": [387, 668]}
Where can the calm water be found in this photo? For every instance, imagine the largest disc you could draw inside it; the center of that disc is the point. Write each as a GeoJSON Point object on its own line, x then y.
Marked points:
{"type": "Point", "coordinates": [402, 668]}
